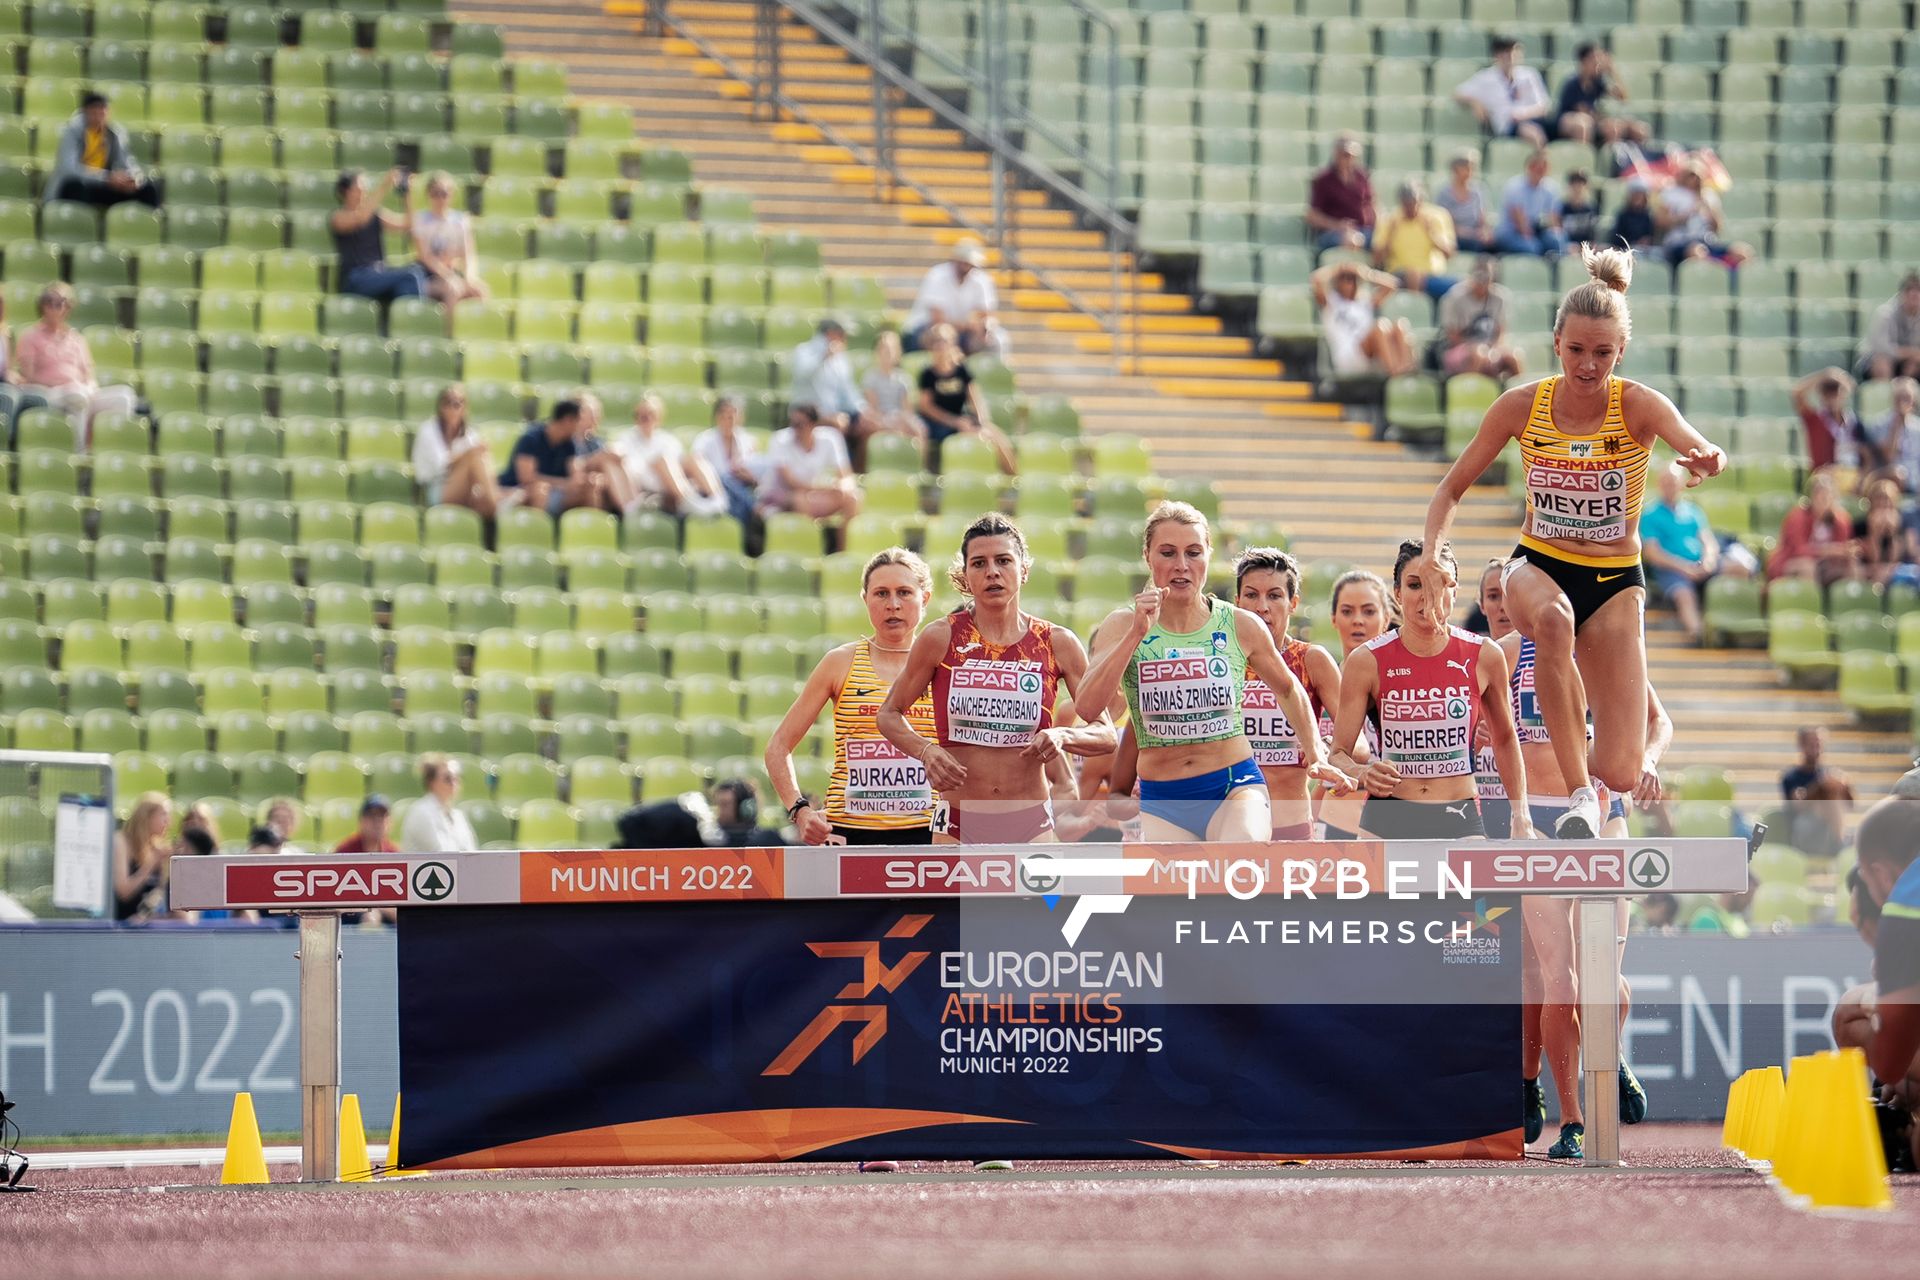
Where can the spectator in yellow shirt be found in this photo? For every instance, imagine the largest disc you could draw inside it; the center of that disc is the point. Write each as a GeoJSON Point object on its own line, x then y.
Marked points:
{"type": "Point", "coordinates": [1414, 241]}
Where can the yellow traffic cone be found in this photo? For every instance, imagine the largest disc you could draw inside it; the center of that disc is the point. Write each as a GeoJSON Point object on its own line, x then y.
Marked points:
{"type": "Point", "coordinates": [394, 1169]}
{"type": "Point", "coordinates": [1733, 1128]}
{"type": "Point", "coordinates": [355, 1164]}
{"type": "Point", "coordinates": [246, 1160]}
{"type": "Point", "coordinates": [1799, 1132]}
{"type": "Point", "coordinates": [1850, 1169]}
{"type": "Point", "coordinates": [1767, 1100]}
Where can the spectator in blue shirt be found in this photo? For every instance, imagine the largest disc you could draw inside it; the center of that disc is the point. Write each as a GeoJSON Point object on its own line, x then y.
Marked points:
{"type": "Point", "coordinates": [1680, 548]}
{"type": "Point", "coordinates": [1530, 213]}
{"type": "Point", "coordinates": [558, 464]}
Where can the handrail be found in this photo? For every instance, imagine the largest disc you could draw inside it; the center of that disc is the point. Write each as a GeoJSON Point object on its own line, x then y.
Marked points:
{"type": "Point", "coordinates": [1011, 167]}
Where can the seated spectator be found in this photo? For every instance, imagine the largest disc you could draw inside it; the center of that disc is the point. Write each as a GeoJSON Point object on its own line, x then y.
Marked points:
{"type": "Point", "coordinates": [1414, 242]}
{"type": "Point", "coordinates": [617, 493]}
{"type": "Point", "coordinates": [1580, 209]}
{"type": "Point", "coordinates": [1816, 538]}
{"type": "Point", "coordinates": [808, 469]}
{"type": "Point", "coordinates": [1883, 533]}
{"type": "Point", "coordinates": [433, 824]}
{"type": "Point", "coordinates": [1691, 222]}
{"type": "Point", "coordinates": [1681, 549]}
{"type": "Point", "coordinates": [93, 163]}
{"type": "Point", "coordinates": [14, 398]}
{"type": "Point", "coordinates": [1594, 81]}
{"type": "Point", "coordinates": [374, 832]}
{"type": "Point", "coordinates": [951, 402]}
{"type": "Point", "coordinates": [1509, 97]}
{"type": "Point", "coordinates": [663, 474]}
{"type": "Point", "coordinates": [729, 453]}
{"type": "Point", "coordinates": [359, 226]}
{"type": "Point", "coordinates": [1340, 199]}
{"type": "Point", "coordinates": [199, 817]}
{"type": "Point", "coordinates": [1530, 212]}
{"type": "Point", "coordinates": [823, 377]}
{"type": "Point", "coordinates": [736, 811]}
{"type": "Point", "coordinates": [1834, 433]}
{"type": "Point", "coordinates": [888, 397]}
{"type": "Point", "coordinates": [283, 817]}
{"type": "Point", "coordinates": [1465, 200]}
{"type": "Point", "coordinates": [452, 462]}
{"type": "Point", "coordinates": [1893, 443]}
{"type": "Point", "coordinates": [1891, 348]}
{"type": "Point", "coordinates": [141, 848]}
{"type": "Point", "coordinates": [1635, 226]}
{"type": "Point", "coordinates": [1660, 913]}
{"type": "Point", "coordinates": [1473, 326]}
{"type": "Point", "coordinates": [55, 364]}
{"type": "Point", "coordinates": [959, 292]}
{"type": "Point", "coordinates": [1818, 798]}
{"type": "Point", "coordinates": [443, 243]}
{"type": "Point", "coordinates": [553, 468]}
{"type": "Point", "coordinates": [1359, 340]}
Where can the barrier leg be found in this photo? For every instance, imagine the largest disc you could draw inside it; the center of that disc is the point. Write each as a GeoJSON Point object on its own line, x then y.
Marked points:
{"type": "Point", "coordinates": [1600, 1027]}
{"type": "Point", "coordinates": [319, 1046]}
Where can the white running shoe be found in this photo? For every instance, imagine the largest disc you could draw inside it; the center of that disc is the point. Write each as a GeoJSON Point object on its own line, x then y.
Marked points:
{"type": "Point", "coordinates": [1581, 821]}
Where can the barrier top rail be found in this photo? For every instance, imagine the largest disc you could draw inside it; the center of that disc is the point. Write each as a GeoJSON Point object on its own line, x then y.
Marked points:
{"type": "Point", "coordinates": [1593, 868]}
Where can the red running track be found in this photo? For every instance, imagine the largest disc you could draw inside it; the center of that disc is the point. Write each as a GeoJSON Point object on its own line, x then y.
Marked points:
{"type": "Point", "coordinates": [1685, 1207]}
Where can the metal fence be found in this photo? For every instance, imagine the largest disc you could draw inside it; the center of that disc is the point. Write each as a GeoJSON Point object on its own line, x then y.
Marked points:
{"type": "Point", "coordinates": [56, 835]}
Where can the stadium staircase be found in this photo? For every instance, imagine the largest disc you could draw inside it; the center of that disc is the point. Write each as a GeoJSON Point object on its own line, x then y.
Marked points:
{"type": "Point", "coordinates": [1208, 408]}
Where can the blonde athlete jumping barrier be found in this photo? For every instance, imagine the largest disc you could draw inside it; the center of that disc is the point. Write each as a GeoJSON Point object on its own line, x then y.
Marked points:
{"type": "Point", "coordinates": [1574, 584]}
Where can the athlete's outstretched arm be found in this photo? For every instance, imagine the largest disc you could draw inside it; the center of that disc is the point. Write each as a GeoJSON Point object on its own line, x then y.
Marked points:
{"type": "Point", "coordinates": [1496, 712]}
{"type": "Point", "coordinates": [1505, 420]}
{"type": "Point", "coordinates": [827, 677]}
{"type": "Point", "coordinates": [1659, 738]}
{"type": "Point", "coordinates": [1700, 457]}
{"type": "Point", "coordinates": [943, 771]}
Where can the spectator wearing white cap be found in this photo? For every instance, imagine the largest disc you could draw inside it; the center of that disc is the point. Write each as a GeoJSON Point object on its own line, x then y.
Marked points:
{"type": "Point", "coordinates": [959, 292]}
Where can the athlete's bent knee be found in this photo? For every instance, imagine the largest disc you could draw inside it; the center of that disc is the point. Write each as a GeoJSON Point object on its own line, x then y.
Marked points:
{"type": "Point", "coordinates": [1553, 627]}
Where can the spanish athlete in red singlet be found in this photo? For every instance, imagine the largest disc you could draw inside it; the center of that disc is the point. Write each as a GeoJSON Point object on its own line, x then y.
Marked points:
{"type": "Point", "coordinates": [995, 673]}
{"type": "Point", "coordinates": [1267, 585]}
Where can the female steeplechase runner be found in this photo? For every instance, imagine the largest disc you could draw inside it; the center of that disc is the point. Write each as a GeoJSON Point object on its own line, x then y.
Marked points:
{"type": "Point", "coordinates": [1422, 683]}
{"type": "Point", "coordinates": [1182, 657]}
{"type": "Point", "coordinates": [876, 794]}
{"type": "Point", "coordinates": [1575, 584]}
{"type": "Point", "coordinates": [1551, 977]}
{"type": "Point", "coordinates": [1267, 585]}
{"type": "Point", "coordinates": [994, 672]}
{"type": "Point", "coordinates": [1486, 774]}
{"type": "Point", "coordinates": [1361, 609]}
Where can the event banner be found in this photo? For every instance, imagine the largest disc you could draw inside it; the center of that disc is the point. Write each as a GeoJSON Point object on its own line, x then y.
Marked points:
{"type": "Point", "coordinates": [881, 1029]}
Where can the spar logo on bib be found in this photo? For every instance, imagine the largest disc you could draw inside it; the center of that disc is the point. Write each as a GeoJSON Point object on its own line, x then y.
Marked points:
{"type": "Point", "coordinates": [1426, 732]}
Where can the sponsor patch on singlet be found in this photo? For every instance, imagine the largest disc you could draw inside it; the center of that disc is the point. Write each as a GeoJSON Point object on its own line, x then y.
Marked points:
{"type": "Point", "coordinates": [1187, 698]}
{"type": "Point", "coordinates": [884, 782]}
{"type": "Point", "coordinates": [994, 704]}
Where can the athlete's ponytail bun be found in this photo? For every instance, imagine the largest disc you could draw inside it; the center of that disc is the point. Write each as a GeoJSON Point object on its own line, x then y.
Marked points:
{"type": "Point", "coordinates": [1604, 297]}
{"type": "Point", "coordinates": [1611, 267]}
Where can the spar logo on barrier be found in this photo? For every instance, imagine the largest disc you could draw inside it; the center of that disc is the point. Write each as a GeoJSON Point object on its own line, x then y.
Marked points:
{"type": "Point", "coordinates": [875, 975]}
{"type": "Point", "coordinates": [1554, 867]}
{"type": "Point", "coordinates": [958, 873]}
{"type": "Point", "coordinates": [291, 884]}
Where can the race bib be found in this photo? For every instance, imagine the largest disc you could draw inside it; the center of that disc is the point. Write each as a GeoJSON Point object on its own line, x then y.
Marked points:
{"type": "Point", "coordinates": [1486, 779]}
{"type": "Point", "coordinates": [1589, 502]}
{"type": "Point", "coordinates": [994, 704]}
{"type": "Point", "coordinates": [1267, 729]}
{"type": "Point", "coordinates": [1427, 733]}
{"type": "Point", "coordinates": [882, 781]}
{"type": "Point", "coordinates": [1186, 699]}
